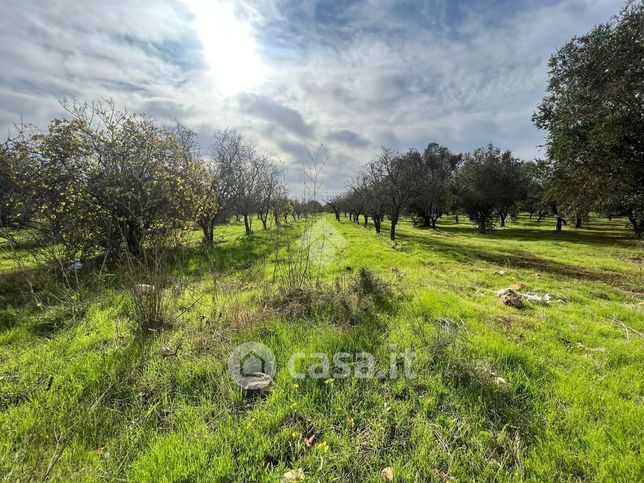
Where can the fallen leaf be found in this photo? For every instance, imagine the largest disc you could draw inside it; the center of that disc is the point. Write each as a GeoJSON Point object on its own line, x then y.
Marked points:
{"type": "Point", "coordinates": [387, 473]}
{"type": "Point", "coordinates": [442, 476]}
{"type": "Point", "coordinates": [293, 475]}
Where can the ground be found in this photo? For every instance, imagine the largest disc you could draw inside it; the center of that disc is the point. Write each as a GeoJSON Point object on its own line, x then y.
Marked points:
{"type": "Point", "coordinates": [546, 392]}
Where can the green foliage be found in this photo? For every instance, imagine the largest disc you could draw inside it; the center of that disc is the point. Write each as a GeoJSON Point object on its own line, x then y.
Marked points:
{"type": "Point", "coordinates": [488, 186]}
{"type": "Point", "coordinates": [104, 179]}
{"type": "Point", "coordinates": [7, 189]}
{"type": "Point", "coordinates": [593, 115]}
{"type": "Point", "coordinates": [534, 177]}
{"type": "Point", "coordinates": [434, 173]}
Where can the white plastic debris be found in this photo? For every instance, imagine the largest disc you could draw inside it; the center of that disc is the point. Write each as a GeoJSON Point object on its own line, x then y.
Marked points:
{"type": "Point", "coordinates": [535, 298]}
{"type": "Point", "coordinates": [144, 287]}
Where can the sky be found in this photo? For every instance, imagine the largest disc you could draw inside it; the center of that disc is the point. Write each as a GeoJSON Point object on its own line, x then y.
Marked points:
{"type": "Point", "coordinates": [350, 75]}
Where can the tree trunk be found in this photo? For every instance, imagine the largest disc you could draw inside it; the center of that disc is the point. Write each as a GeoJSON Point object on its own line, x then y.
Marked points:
{"type": "Point", "coordinates": [133, 238]}
{"type": "Point", "coordinates": [578, 222]}
{"type": "Point", "coordinates": [377, 223]}
{"type": "Point", "coordinates": [248, 224]}
{"type": "Point", "coordinates": [208, 229]}
{"type": "Point", "coordinates": [392, 230]}
{"type": "Point", "coordinates": [366, 221]}
{"type": "Point", "coordinates": [638, 225]}
{"type": "Point", "coordinates": [502, 216]}
{"type": "Point", "coordinates": [559, 223]}
{"type": "Point", "coordinates": [482, 223]}
{"type": "Point", "coordinates": [456, 218]}
{"type": "Point", "coordinates": [264, 222]}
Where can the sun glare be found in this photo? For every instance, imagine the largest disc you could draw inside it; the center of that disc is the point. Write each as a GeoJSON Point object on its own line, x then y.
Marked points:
{"type": "Point", "coordinates": [229, 46]}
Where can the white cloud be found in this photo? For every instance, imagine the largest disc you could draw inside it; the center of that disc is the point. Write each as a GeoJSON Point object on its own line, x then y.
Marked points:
{"type": "Point", "coordinates": [352, 75]}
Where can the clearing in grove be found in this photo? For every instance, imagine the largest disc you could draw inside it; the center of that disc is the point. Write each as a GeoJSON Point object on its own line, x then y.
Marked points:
{"type": "Point", "coordinates": [544, 392]}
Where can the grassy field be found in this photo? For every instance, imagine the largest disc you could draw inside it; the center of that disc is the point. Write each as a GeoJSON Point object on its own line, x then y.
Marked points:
{"type": "Point", "coordinates": [547, 392]}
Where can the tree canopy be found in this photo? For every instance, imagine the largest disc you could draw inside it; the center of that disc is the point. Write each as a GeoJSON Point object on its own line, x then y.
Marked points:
{"type": "Point", "coordinates": [594, 112]}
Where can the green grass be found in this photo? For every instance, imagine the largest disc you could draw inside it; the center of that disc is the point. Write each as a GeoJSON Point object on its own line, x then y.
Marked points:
{"type": "Point", "coordinates": [83, 397]}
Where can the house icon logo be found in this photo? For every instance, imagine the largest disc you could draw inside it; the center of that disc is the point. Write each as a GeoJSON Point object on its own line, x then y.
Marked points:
{"type": "Point", "coordinates": [249, 360]}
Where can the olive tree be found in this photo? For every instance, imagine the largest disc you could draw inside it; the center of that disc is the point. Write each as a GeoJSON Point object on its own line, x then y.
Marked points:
{"type": "Point", "coordinates": [394, 175]}
{"type": "Point", "coordinates": [489, 184]}
{"type": "Point", "coordinates": [593, 114]}
{"type": "Point", "coordinates": [269, 190]}
{"type": "Point", "coordinates": [433, 174]}
{"type": "Point", "coordinates": [218, 186]}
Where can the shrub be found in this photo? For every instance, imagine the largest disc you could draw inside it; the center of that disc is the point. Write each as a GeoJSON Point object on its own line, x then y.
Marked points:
{"type": "Point", "coordinates": [102, 179]}
{"type": "Point", "coordinates": [346, 302]}
{"type": "Point", "coordinates": [368, 284]}
{"type": "Point", "coordinates": [149, 283]}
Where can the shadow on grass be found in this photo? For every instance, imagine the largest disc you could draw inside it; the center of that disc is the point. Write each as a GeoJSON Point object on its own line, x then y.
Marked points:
{"type": "Point", "coordinates": [237, 253]}
{"type": "Point", "coordinates": [596, 232]}
{"type": "Point", "coordinates": [20, 289]}
{"type": "Point", "coordinates": [45, 301]}
{"type": "Point", "coordinates": [515, 258]}
{"type": "Point", "coordinates": [474, 390]}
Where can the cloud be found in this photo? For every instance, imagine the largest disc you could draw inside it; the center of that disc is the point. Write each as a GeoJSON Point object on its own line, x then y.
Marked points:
{"type": "Point", "coordinates": [350, 75]}
{"type": "Point", "coordinates": [273, 112]}
{"type": "Point", "coordinates": [348, 137]}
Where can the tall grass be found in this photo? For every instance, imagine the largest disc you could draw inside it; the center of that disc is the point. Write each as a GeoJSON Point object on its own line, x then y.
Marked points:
{"type": "Point", "coordinates": [150, 282]}
{"type": "Point", "coordinates": [295, 269]}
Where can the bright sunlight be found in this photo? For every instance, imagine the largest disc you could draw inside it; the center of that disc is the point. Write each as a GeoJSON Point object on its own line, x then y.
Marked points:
{"type": "Point", "coordinates": [229, 46]}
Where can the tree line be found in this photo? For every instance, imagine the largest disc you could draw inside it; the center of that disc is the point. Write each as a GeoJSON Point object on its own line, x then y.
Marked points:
{"type": "Point", "coordinates": [489, 185]}
{"type": "Point", "coordinates": [103, 179]}
{"type": "Point", "coordinates": [593, 115]}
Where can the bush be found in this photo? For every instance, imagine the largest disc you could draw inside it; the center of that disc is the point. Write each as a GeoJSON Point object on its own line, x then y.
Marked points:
{"type": "Point", "coordinates": [150, 285]}
{"type": "Point", "coordinates": [369, 285]}
{"type": "Point", "coordinates": [349, 301]}
{"type": "Point", "coordinates": [102, 179]}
